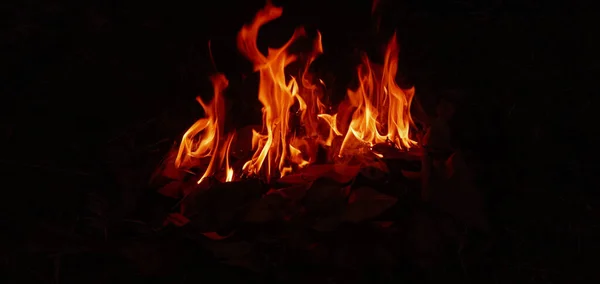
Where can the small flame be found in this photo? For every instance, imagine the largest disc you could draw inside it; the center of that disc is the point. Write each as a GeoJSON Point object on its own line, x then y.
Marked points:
{"type": "Point", "coordinates": [228, 169]}
{"type": "Point", "coordinates": [202, 139]}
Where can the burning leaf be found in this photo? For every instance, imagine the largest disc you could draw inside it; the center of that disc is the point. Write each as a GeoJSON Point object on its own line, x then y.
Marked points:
{"type": "Point", "coordinates": [365, 203]}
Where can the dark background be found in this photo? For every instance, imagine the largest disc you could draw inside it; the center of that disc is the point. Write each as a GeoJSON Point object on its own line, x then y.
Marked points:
{"type": "Point", "coordinates": [94, 92]}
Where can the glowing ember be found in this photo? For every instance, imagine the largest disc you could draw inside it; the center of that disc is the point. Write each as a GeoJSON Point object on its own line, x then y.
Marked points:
{"type": "Point", "coordinates": [380, 110]}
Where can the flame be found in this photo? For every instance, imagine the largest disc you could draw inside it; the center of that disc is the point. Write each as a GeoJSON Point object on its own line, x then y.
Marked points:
{"type": "Point", "coordinates": [203, 139]}
{"type": "Point", "coordinates": [277, 93]}
{"type": "Point", "coordinates": [225, 154]}
{"type": "Point", "coordinates": [377, 111]}
{"type": "Point", "coordinates": [382, 108]}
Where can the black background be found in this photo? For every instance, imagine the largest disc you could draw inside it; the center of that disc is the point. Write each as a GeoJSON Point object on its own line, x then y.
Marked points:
{"type": "Point", "coordinates": [89, 86]}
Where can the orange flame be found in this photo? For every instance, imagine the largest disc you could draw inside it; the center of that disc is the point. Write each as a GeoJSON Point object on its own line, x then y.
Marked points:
{"type": "Point", "coordinates": [202, 139]}
{"type": "Point", "coordinates": [379, 109]}
{"type": "Point", "coordinates": [277, 95]}
{"type": "Point", "coordinates": [382, 108]}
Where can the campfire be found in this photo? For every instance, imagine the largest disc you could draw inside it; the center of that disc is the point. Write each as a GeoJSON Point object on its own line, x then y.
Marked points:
{"type": "Point", "coordinates": [310, 165]}
{"type": "Point", "coordinates": [375, 112]}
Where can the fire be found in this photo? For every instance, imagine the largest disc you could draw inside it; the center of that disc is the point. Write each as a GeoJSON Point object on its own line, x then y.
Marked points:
{"type": "Point", "coordinates": [203, 138]}
{"type": "Point", "coordinates": [381, 110]}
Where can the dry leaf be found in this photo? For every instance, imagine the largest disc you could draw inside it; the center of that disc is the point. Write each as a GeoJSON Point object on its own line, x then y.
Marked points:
{"type": "Point", "coordinates": [365, 203]}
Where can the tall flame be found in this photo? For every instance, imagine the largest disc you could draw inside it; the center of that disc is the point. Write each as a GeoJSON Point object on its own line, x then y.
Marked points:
{"type": "Point", "coordinates": [203, 138]}
{"type": "Point", "coordinates": [382, 108]}
{"type": "Point", "coordinates": [379, 110]}
{"type": "Point", "coordinates": [277, 95]}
